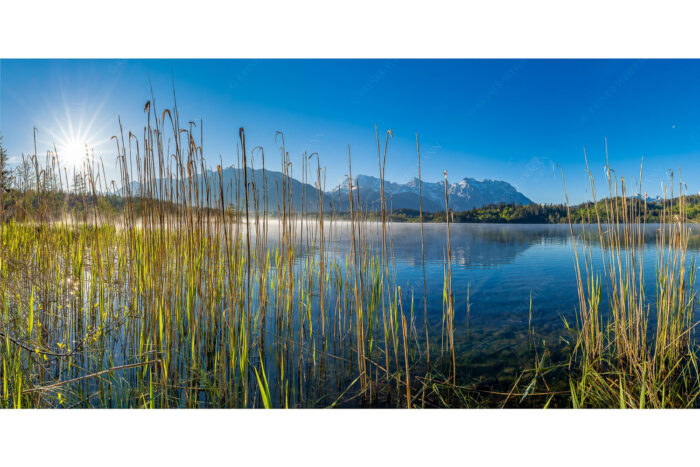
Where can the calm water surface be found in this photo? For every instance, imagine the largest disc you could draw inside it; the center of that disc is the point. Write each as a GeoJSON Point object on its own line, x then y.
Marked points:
{"type": "Point", "coordinates": [497, 270]}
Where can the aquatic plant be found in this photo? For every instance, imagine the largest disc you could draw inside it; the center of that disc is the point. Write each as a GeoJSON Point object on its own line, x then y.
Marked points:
{"type": "Point", "coordinates": [638, 351]}
{"type": "Point", "coordinates": [181, 286]}
{"type": "Point", "coordinates": [170, 290]}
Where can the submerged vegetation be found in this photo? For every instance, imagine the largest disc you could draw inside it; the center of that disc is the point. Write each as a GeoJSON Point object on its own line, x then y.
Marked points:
{"type": "Point", "coordinates": [173, 297]}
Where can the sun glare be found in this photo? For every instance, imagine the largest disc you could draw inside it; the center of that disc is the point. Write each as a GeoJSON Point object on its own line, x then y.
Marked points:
{"type": "Point", "coordinates": [73, 150]}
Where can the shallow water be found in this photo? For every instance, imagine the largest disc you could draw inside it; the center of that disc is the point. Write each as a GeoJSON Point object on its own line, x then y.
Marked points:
{"type": "Point", "coordinates": [514, 287]}
{"type": "Point", "coordinates": [500, 274]}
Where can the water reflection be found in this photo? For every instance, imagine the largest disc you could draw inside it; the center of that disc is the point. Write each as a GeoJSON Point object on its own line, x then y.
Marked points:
{"type": "Point", "coordinates": [505, 279]}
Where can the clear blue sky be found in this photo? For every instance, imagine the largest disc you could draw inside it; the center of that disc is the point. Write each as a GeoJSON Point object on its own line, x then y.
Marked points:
{"type": "Point", "coordinates": [501, 119]}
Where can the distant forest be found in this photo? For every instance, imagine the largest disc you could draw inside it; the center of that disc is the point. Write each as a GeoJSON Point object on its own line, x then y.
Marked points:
{"type": "Point", "coordinates": [552, 213]}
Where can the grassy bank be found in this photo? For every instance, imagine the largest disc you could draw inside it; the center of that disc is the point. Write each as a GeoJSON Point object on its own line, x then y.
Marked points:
{"type": "Point", "coordinates": [641, 352]}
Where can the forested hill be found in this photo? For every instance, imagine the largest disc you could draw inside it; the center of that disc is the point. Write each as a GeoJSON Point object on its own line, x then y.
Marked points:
{"type": "Point", "coordinates": [551, 213]}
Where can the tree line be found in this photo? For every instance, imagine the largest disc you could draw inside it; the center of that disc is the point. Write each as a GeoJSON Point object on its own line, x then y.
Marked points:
{"type": "Point", "coordinates": [506, 213]}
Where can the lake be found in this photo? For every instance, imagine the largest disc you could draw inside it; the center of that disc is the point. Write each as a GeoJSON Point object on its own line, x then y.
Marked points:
{"type": "Point", "coordinates": [506, 279]}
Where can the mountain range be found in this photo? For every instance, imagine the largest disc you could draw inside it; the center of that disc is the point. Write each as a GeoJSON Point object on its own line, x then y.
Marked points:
{"type": "Point", "coordinates": [464, 195]}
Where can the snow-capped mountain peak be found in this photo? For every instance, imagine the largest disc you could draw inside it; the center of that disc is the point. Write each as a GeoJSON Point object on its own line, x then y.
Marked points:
{"type": "Point", "coordinates": [465, 194]}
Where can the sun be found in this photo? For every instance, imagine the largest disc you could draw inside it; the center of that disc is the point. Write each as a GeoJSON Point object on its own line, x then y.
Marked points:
{"type": "Point", "coordinates": [73, 150]}
{"type": "Point", "coordinates": [74, 138]}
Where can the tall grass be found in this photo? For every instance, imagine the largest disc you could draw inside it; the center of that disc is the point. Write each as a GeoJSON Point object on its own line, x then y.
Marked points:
{"type": "Point", "coordinates": [634, 348]}
{"type": "Point", "coordinates": [172, 293]}
{"type": "Point", "coordinates": [189, 289]}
